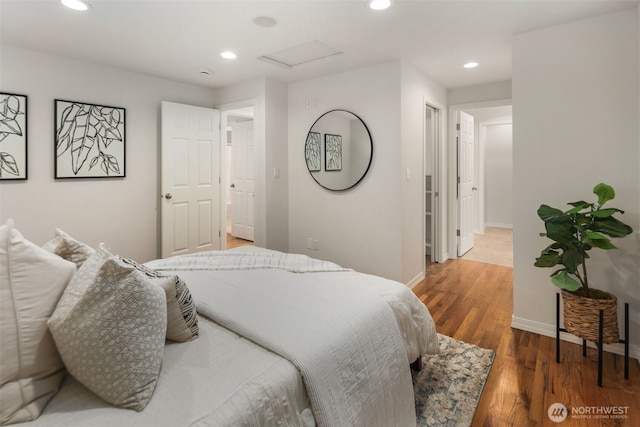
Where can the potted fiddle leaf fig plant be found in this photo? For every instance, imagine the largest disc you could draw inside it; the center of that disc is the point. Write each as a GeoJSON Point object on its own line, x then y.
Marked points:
{"type": "Point", "coordinates": [574, 233]}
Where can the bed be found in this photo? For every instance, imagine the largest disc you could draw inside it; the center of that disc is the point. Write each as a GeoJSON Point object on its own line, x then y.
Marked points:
{"type": "Point", "coordinates": [283, 340]}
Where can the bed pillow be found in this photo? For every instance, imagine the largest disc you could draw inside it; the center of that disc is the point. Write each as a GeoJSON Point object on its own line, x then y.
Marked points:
{"type": "Point", "coordinates": [68, 248]}
{"type": "Point", "coordinates": [31, 282]}
{"type": "Point", "coordinates": [182, 319]}
{"type": "Point", "coordinates": [110, 327]}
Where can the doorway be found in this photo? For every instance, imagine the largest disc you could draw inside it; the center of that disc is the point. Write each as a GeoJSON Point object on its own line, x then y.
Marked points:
{"type": "Point", "coordinates": [492, 204]}
{"type": "Point", "coordinates": [239, 165]}
{"type": "Point", "coordinates": [432, 234]}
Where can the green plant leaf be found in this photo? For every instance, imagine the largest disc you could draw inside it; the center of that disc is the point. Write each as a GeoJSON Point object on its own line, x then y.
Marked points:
{"type": "Point", "coordinates": [577, 207]}
{"type": "Point", "coordinates": [572, 259]}
{"type": "Point", "coordinates": [547, 213]}
{"type": "Point", "coordinates": [604, 192]}
{"type": "Point", "coordinates": [564, 281]}
{"type": "Point", "coordinates": [603, 244]}
{"type": "Point", "coordinates": [594, 236]}
{"type": "Point", "coordinates": [610, 226]}
{"type": "Point", "coordinates": [605, 213]}
{"type": "Point", "coordinates": [548, 259]}
{"type": "Point", "coordinates": [560, 232]}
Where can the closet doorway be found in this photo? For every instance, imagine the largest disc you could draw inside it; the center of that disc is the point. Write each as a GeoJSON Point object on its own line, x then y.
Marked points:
{"type": "Point", "coordinates": [432, 224]}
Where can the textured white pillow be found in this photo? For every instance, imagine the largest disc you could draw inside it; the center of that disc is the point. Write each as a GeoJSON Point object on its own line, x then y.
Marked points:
{"type": "Point", "coordinates": [182, 317]}
{"type": "Point", "coordinates": [68, 248]}
{"type": "Point", "coordinates": [31, 282]}
{"type": "Point", "coordinates": [110, 327]}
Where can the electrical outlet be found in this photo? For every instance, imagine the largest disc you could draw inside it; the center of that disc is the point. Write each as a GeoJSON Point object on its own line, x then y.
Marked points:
{"type": "Point", "coordinates": [309, 243]}
{"type": "Point", "coordinates": [316, 245]}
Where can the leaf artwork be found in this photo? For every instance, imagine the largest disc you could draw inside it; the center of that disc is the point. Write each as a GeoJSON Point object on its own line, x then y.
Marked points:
{"type": "Point", "coordinates": [333, 152]}
{"type": "Point", "coordinates": [11, 109]}
{"type": "Point", "coordinates": [312, 151]}
{"type": "Point", "coordinates": [90, 138]}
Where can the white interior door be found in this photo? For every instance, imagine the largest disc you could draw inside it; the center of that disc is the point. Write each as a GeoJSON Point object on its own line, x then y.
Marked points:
{"type": "Point", "coordinates": [242, 180]}
{"type": "Point", "coordinates": [190, 179]}
{"type": "Point", "coordinates": [465, 183]}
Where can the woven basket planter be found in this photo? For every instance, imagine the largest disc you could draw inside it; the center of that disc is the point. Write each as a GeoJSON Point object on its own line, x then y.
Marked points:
{"type": "Point", "coordinates": [582, 315]}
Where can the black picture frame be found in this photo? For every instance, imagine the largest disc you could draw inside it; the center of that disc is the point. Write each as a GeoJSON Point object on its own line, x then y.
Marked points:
{"type": "Point", "coordinates": [13, 136]}
{"type": "Point", "coordinates": [332, 152]}
{"type": "Point", "coordinates": [312, 152]}
{"type": "Point", "coordinates": [90, 140]}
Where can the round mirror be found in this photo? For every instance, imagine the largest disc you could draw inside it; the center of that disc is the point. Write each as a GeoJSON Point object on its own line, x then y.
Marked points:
{"type": "Point", "coordinates": [338, 150]}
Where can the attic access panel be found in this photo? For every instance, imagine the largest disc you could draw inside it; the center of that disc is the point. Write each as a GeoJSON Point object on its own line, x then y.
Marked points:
{"type": "Point", "coordinates": [301, 54]}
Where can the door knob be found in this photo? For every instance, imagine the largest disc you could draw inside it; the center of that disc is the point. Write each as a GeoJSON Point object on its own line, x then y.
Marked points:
{"type": "Point", "coordinates": [167, 196]}
{"type": "Point", "coordinates": [233, 186]}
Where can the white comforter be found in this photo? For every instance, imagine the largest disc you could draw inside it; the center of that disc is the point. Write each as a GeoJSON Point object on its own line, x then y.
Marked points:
{"type": "Point", "coordinates": [344, 339]}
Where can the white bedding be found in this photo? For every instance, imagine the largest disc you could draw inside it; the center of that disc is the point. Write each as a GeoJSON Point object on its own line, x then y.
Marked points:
{"type": "Point", "coordinates": [415, 322]}
{"type": "Point", "coordinates": [343, 338]}
{"type": "Point", "coordinates": [217, 380]}
{"type": "Point", "coordinates": [224, 380]}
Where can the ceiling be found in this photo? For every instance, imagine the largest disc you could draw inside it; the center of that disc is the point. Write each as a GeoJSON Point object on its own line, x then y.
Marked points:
{"type": "Point", "coordinates": [177, 39]}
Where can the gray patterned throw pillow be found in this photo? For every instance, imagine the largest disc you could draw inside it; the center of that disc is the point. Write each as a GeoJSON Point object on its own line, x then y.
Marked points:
{"type": "Point", "coordinates": [182, 317]}
{"type": "Point", "coordinates": [109, 327]}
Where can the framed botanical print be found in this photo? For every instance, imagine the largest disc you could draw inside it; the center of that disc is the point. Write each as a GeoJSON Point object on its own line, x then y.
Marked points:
{"type": "Point", "coordinates": [89, 140]}
{"type": "Point", "coordinates": [333, 152]}
{"type": "Point", "coordinates": [13, 136]}
{"type": "Point", "coordinates": [312, 151]}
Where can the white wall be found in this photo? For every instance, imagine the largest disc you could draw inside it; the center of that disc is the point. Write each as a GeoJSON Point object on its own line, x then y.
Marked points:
{"type": "Point", "coordinates": [575, 125]}
{"type": "Point", "coordinates": [277, 165]}
{"type": "Point", "coordinates": [358, 228]}
{"type": "Point", "coordinates": [122, 212]}
{"type": "Point", "coordinates": [417, 90]}
{"type": "Point", "coordinates": [376, 227]}
{"type": "Point", "coordinates": [480, 93]}
{"type": "Point", "coordinates": [498, 156]}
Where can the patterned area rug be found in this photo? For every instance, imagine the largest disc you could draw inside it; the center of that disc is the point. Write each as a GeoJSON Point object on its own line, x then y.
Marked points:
{"type": "Point", "coordinates": [448, 387]}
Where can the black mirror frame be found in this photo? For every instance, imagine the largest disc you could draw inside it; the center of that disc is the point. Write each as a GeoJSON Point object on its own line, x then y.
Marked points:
{"type": "Point", "coordinates": [370, 155]}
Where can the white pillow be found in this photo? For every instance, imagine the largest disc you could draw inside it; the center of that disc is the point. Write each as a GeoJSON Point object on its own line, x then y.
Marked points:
{"type": "Point", "coordinates": [182, 317]}
{"type": "Point", "coordinates": [110, 327]}
{"type": "Point", "coordinates": [68, 248]}
{"type": "Point", "coordinates": [31, 282]}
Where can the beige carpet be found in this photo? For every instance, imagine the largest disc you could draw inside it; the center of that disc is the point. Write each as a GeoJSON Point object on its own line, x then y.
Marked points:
{"type": "Point", "coordinates": [495, 246]}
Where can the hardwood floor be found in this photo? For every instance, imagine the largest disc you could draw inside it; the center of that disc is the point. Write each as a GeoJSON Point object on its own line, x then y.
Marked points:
{"type": "Point", "coordinates": [234, 242]}
{"type": "Point", "coordinates": [473, 302]}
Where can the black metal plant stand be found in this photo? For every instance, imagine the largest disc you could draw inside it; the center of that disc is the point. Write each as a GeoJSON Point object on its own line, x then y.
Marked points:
{"type": "Point", "coordinates": [598, 344]}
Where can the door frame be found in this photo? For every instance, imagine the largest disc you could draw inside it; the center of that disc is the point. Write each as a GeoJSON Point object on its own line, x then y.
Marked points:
{"type": "Point", "coordinates": [434, 158]}
{"type": "Point", "coordinates": [224, 111]}
{"type": "Point", "coordinates": [452, 176]}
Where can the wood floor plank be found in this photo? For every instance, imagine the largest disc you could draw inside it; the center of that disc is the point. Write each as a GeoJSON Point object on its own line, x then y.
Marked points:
{"type": "Point", "coordinates": [473, 301]}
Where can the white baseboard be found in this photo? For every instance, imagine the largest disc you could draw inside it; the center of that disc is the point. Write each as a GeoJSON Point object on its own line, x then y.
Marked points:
{"type": "Point", "coordinates": [413, 282]}
{"type": "Point", "coordinates": [550, 331]}
{"type": "Point", "coordinates": [498, 225]}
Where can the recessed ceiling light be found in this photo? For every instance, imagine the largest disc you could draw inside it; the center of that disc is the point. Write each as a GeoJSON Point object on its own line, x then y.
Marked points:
{"type": "Point", "coordinates": [228, 55]}
{"type": "Point", "coordinates": [76, 5]}
{"type": "Point", "coordinates": [471, 65]}
{"type": "Point", "coordinates": [265, 21]}
{"type": "Point", "coordinates": [379, 4]}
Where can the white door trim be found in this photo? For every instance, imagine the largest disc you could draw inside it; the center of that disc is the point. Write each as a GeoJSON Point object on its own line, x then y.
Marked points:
{"type": "Point", "coordinates": [451, 176]}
